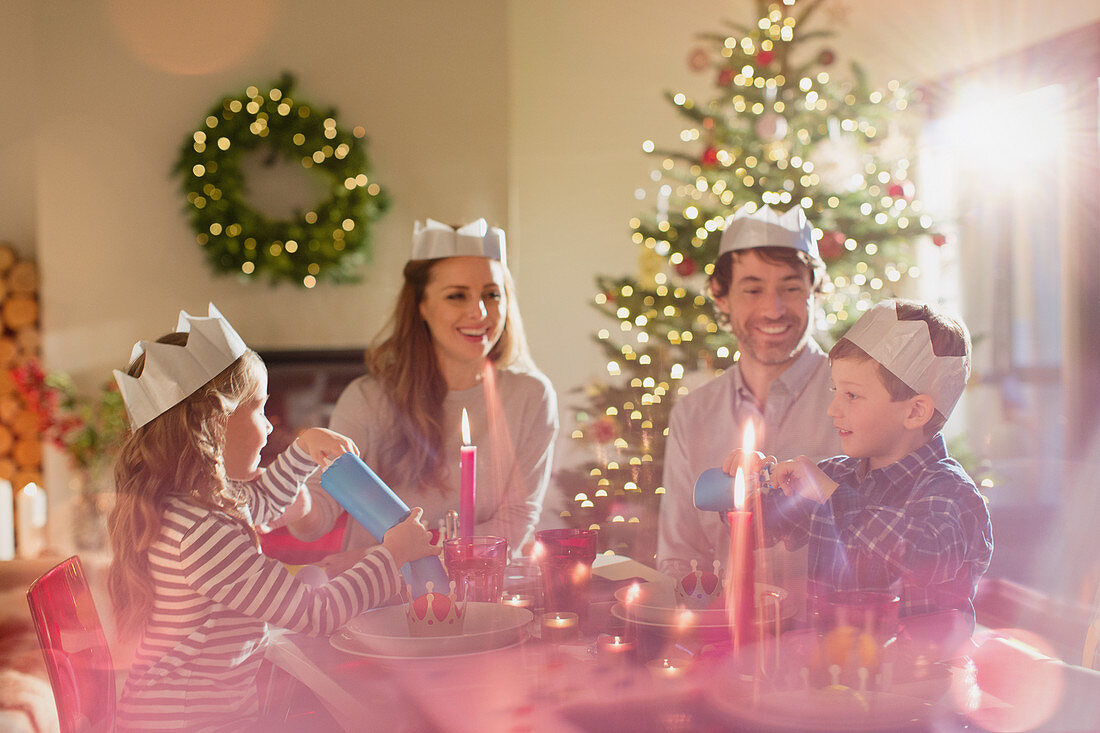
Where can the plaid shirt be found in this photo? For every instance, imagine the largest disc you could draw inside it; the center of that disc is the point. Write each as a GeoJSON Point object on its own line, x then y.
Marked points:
{"type": "Point", "coordinates": [917, 527]}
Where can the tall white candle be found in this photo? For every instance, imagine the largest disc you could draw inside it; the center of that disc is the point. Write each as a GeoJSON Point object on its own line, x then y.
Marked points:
{"type": "Point", "coordinates": [30, 515]}
{"type": "Point", "coordinates": [7, 522]}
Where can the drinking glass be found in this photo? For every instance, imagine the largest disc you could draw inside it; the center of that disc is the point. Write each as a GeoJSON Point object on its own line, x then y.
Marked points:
{"type": "Point", "coordinates": [476, 565]}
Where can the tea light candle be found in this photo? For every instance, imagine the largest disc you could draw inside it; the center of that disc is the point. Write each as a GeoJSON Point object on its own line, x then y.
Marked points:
{"type": "Point", "coordinates": [611, 647]}
{"type": "Point", "coordinates": [519, 600]}
{"type": "Point", "coordinates": [668, 668]}
{"type": "Point", "coordinates": [559, 626]}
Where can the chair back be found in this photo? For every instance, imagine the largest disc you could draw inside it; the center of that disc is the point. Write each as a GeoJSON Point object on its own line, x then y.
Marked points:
{"type": "Point", "coordinates": [74, 646]}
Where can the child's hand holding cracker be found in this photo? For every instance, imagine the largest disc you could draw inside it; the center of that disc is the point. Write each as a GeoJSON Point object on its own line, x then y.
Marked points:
{"type": "Point", "coordinates": [325, 446]}
{"type": "Point", "coordinates": [801, 477]}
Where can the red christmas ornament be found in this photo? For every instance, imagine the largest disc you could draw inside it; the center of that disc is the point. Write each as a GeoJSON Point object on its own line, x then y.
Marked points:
{"type": "Point", "coordinates": [710, 157]}
{"type": "Point", "coordinates": [764, 58]}
{"type": "Point", "coordinates": [831, 245]}
{"type": "Point", "coordinates": [725, 77]}
{"type": "Point", "coordinates": [604, 430]}
{"type": "Point", "coordinates": [826, 57]}
{"type": "Point", "coordinates": [698, 59]}
{"type": "Point", "coordinates": [685, 267]}
{"type": "Point", "coordinates": [939, 240]}
{"type": "Point", "coordinates": [895, 190]}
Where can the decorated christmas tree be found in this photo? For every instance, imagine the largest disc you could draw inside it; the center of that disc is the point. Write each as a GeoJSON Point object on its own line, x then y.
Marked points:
{"type": "Point", "coordinates": [784, 127]}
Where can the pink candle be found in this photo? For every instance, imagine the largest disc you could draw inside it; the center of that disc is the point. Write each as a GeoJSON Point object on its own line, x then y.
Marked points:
{"type": "Point", "coordinates": [739, 575]}
{"type": "Point", "coordinates": [467, 468]}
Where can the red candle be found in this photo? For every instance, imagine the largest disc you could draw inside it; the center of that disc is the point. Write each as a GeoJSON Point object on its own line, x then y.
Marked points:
{"type": "Point", "coordinates": [467, 469]}
{"type": "Point", "coordinates": [739, 573]}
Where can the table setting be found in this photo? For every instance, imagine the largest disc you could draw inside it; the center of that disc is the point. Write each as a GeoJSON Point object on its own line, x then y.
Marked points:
{"type": "Point", "coordinates": [572, 639]}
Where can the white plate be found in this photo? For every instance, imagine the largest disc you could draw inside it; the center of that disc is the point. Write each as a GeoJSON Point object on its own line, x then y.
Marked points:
{"type": "Point", "coordinates": [656, 604]}
{"type": "Point", "coordinates": [826, 710]}
{"type": "Point", "coordinates": [384, 632]}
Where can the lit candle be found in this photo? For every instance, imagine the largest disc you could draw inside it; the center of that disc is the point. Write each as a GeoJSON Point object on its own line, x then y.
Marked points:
{"type": "Point", "coordinates": [739, 572]}
{"type": "Point", "coordinates": [669, 668]}
{"type": "Point", "coordinates": [558, 626]}
{"type": "Point", "coordinates": [467, 468]}
{"type": "Point", "coordinates": [30, 514]}
{"type": "Point", "coordinates": [519, 600]}
{"type": "Point", "coordinates": [7, 522]}
{"type": "Point", "coordinates": [613, 648]}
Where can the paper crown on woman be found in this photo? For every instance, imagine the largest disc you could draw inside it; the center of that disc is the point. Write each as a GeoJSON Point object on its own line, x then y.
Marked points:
{"type": "Point", "coordinates": [765, 227]}
{"type": "Point", "coordinates": [433, 240]}
{"type": "Point", "coordinates": [172, 373]}
{"type": "Point", "coordinates": [905, 349]}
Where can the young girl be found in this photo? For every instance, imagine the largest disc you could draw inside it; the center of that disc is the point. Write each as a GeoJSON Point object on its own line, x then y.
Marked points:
{"type": "Point", "coordinates": [187, 573]}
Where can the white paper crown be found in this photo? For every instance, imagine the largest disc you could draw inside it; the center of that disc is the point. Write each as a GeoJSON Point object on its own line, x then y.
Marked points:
{"type": "Point", "coordinates": [905, 349]}
{"type": "Point", "coordinates": [172, 373]}
{"type": "Point", "coordinates": [433, 240]}
{"type": "Point", "coordinates": [767, 228]}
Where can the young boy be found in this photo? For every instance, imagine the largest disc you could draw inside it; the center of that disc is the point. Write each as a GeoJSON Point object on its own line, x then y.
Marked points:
{"type": "Point", "coordinates": [895, 512]}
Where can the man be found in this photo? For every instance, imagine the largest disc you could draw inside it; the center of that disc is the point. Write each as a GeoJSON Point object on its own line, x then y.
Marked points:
{"type": "Point", "coordinates": [764, 286]}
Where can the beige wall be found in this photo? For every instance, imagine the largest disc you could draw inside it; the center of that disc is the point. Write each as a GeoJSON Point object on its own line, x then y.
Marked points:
{"type": "Point", "coordinates": [529, 113]}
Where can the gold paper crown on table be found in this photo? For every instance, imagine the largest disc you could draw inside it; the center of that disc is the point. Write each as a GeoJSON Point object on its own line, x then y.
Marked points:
{"type": "Point", "coordinates": [699, 588]}
{"type": "Point", "coordinates": [172, 373]}
{"type": "Point", "coordinates": [436, 614]}
{"type": "Point", "coordinates": [904, 348]}
{"type": "Point", "coordinates": [433, 240]}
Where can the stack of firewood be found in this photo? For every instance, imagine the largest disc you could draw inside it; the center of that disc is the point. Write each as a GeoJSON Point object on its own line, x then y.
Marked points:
{"type": "Point", "coordinates": [20, 337]}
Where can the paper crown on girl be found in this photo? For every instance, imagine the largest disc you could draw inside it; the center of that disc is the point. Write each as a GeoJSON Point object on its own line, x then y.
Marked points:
{"type": "Point", "coordinates": [172, 373]}
{"type": "Point", "coordinates": [905, 349]}
{"type": "Point", "coordinates": [433, 240]}
{"type": "Point", "coordinates": [765, 227]}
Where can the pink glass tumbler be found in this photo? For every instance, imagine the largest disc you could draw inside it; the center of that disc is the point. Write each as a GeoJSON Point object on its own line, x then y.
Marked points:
{"type": "Point", "coordinates": [565, 559]}
{"type": "Point", "coordinates": [476, 565]}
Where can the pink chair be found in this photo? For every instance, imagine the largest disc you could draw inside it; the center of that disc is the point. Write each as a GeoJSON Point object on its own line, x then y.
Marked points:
{"type": "Point", "coordinates": [75, 649]}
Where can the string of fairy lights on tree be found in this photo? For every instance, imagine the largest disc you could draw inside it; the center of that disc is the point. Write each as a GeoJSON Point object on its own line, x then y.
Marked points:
{"type": "Point", "coordinates": [780, 128]}
{"type": "Point", "coordinates": [329, 240]}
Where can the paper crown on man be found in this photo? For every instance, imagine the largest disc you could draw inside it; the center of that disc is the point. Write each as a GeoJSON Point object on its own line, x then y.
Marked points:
{"type": "Point", "coordinates": [173, 373]}
{"type": "Point", "coordinates": [765, 227]}
{"type": "Point", "coordinates": [433, 240]}
{"type": "Point", "coordinates": [904, 348]}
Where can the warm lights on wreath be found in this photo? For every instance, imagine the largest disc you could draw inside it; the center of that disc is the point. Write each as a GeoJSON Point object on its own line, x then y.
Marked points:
{"type": "Point", "coordinates": [328, 240]}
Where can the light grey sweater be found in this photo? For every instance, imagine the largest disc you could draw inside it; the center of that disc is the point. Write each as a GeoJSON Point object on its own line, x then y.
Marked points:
{"type": "Point", "coordinates": [513, 461]}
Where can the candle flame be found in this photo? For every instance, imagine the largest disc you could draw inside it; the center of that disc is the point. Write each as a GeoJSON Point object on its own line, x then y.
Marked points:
{"type": "Point", "coordinates": [739, 490]}
{"type": "Point", "coordinates": [465, 427]}
{"type": "Point", "coordinates": [30, 489]}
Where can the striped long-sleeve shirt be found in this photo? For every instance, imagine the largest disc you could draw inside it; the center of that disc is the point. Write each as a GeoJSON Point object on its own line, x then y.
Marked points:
{"type": "Point", "coordinates": [917, 527]}
{"type": "Point", "coordinates": [215, 595]}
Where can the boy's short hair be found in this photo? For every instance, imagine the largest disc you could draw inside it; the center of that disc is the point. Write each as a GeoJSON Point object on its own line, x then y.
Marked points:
{"type": "Point", "coordinates": [949, 338]}
{"type": "Point", "coordinates": [721, 279]}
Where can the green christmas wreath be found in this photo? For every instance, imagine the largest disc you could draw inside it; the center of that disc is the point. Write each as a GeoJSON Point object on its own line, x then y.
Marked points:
{"type": "Point", "coordinates": [329, 241]}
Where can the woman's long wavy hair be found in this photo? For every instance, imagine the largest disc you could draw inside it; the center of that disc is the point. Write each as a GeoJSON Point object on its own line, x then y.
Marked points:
{"type": "Point", "coordinates": [404, 362]}
{"type": "Point", "coordinates": [177, 454]}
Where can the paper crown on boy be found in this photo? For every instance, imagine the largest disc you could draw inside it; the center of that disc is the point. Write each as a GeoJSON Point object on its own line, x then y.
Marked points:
{"type": "Point", "coordinates": [766, 227]}
{"type": "Point", "coordinates": [433, 240]}
{"type": "Point", "coordinates": [905, 349]}
{"type": "Point", "coordinates": [172, 373]}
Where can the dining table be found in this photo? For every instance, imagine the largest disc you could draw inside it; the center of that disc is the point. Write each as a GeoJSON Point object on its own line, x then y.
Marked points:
{"type": "Point", "coordinates": [619, 672]}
